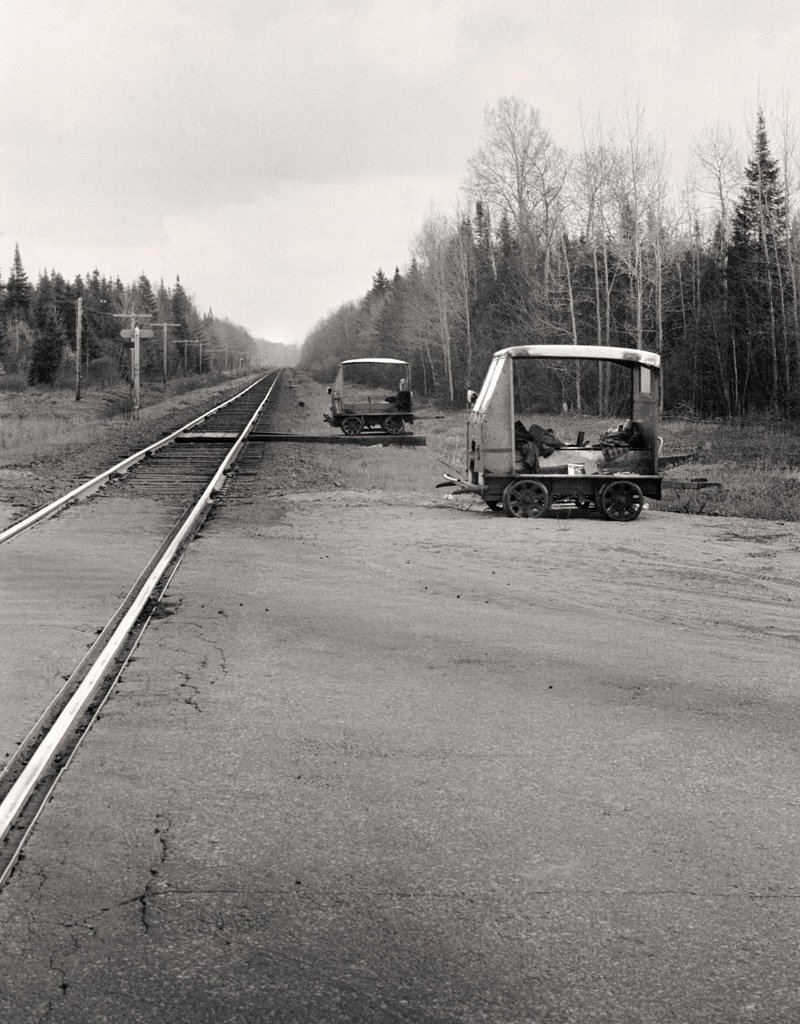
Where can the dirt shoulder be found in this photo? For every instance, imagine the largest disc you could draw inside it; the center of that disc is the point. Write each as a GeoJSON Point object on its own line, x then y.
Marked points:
{"type": "Point", "coordinates": [682, 571]}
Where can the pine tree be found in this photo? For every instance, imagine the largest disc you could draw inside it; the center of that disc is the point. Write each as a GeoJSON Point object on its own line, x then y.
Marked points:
{"type": "Point", "coordinates": [181, 311]}
{"type": "Point", "coordinates": [17, 304]}
{"type": "Point", "coordinates": [512, 315]}
{"type": "Point", "coordinates": [100, 327]}
{"type": "Point", "coordinates": [145, 295]}
{"type": "Point", "coordinates": [761, 210]}
{"type": "Point", "coordinates": [64, 296]}
{"type": "Point", "coordinates": [50, 337]}
{"type": "Point", "coordinates": [756, 261]}
{"type": "Point", "coordinates": [163, 303]}
{"type": "Point", "coordinates": [18, 290]}
{"type": "Point", "coordinates": [380, 283]}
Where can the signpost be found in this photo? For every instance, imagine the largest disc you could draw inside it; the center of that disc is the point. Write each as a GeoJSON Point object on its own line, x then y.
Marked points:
{"type": "Point", "coordinates": [132, 336]}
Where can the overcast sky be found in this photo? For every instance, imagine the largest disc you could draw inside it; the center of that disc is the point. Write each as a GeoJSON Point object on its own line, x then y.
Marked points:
{"type": "Point", "coordinates": [274, 155]}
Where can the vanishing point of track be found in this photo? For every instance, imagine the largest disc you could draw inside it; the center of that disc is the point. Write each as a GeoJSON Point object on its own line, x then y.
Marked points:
{"type": "Point", "coordinates": [186, 468]}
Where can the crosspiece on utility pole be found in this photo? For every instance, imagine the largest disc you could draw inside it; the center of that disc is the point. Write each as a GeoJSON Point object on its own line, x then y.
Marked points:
{"type": "Point", "coordinates": [143, 333]}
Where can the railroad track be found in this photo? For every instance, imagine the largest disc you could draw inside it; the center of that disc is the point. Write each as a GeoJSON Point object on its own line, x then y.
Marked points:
{"type": "Point", "coordinates": [184, 476]}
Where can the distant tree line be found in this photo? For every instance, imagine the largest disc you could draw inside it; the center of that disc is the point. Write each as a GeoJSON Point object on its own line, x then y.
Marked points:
{"type": "Point", "coordinates": [596, 249]}
{"type": "Point", "coordinates": [38, 327]}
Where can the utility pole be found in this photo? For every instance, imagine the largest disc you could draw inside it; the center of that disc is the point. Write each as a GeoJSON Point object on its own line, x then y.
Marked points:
{"type": "Point", "coordinates": [186, 343]}
{"type": "Point", "coordinates": [133, 336]}
{"type": "Point", "coordinates": [211, 352]}
{"type": "Point", "coordinates": [164, 327]}
{"type": "Point", "coordinates": [78, 338]}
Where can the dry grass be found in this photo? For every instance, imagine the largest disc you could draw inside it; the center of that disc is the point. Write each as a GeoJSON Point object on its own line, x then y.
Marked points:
{"type": "Point", "coordinates": [759, 467]}
{"type": "Point", "coordinates": [41, 425]}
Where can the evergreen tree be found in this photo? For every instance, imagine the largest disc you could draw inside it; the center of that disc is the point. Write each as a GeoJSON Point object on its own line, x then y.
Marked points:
{"type": "Point", "coordinates": [380, 283]}
{"type": "Point", "coordinates": [101, 337]}
{"type": "Point", "coordinates": [50, 336]}
{"type": "Point", "coordinates": [761, 210]}
{"type": "Point", "coordinates": [163, 303]}
{"type": "Point", "coordinates": [756, 261]}
{"type": "Point", "coordinates": [211, 341]}
{"type": "Point", "coordinates": [513, 313]}
{"type": "Point", "coordinates": [181, 312]}
{"type": "Point", "coordinates": [145, 297]}
{"type": "Point", "coordinates": [64, 296]}
{"type": "Point", "coordinates": [18, 290]}
{"type": "Point", "coordinates": [17, 303]}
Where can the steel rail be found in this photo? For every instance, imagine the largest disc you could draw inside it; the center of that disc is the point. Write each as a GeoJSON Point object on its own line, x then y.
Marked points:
{"type": "Point", "coordinates": [25, 748]}
{"type": "Point", "coordinates": [97, 481]}
{"type": "Point", "coordinates": [30, 776]}
{"type": "Point", "coordinates": [103, 693]}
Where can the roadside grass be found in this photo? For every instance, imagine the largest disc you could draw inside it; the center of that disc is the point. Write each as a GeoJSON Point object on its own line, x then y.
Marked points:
{"type": "Point", "coordinates": [41, 425]}
{"type": "Point", "coordinates": [757, 465]}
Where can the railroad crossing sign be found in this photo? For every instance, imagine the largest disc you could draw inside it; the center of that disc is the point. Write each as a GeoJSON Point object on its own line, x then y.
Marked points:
{"type": "Point", "coordinates": [128, 333]}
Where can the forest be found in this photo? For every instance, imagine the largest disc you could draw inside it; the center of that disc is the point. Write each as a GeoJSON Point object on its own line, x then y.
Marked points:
{"type": "Point", "coordinates": [600, 247]}
{"type": "Point", "coordinates": [39, 326]}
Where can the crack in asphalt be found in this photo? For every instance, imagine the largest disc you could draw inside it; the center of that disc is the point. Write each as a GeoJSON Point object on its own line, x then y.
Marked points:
{"type": "Point", "coordinates": [309, 892]}
{"type": "Point", "coordinates": [191, 700]}
{"type": "Point", "coordinates": [161, 831]}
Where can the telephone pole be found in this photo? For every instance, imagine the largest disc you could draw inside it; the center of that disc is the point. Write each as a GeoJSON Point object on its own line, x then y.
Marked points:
{"type": "Point", "coordinates": [186, 342]}
{"type": "Point", "coordinates": [78, 338]}
{"type": "Point", "coordinates": [164, 327]}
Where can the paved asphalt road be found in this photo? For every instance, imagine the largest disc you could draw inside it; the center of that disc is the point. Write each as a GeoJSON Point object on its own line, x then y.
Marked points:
{"type": "Point", "coordinates": [385, 761]}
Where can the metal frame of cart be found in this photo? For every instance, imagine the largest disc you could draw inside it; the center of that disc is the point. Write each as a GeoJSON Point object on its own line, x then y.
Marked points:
{"type": "Point", "coordinates": [369, 408]}
{"type": "Point", "coordinates": [493, 467]}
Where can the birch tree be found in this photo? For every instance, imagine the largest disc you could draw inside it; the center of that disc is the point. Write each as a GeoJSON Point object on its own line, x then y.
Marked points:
{"type": "Point", "coordinates": [520, 173]}
{"type": "Point", "coordinates": [718, 161]}
{"type": "Point", "coordinates": [790, 169]}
